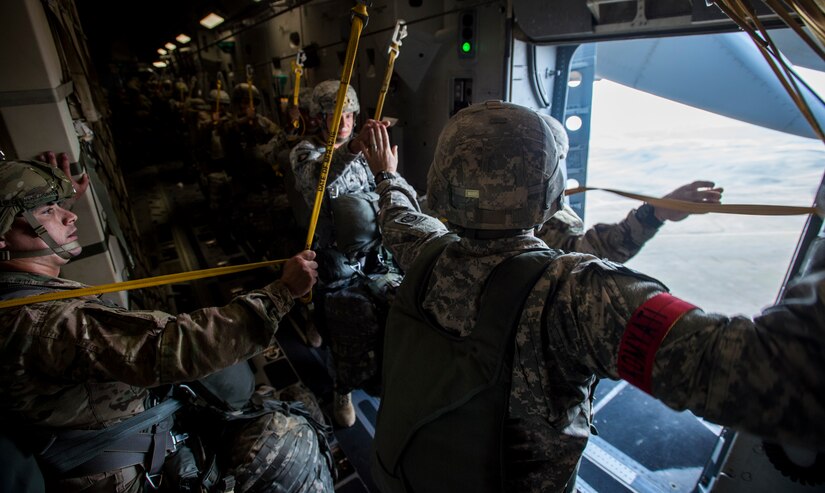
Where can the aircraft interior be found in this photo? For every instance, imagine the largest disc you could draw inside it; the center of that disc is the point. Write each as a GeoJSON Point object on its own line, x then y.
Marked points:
{"type": "Point", "coordinates": [113, 85]}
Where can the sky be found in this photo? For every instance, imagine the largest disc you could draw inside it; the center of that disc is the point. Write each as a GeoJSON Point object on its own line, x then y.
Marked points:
{"type": "Point", "coordinates": [723, 263]}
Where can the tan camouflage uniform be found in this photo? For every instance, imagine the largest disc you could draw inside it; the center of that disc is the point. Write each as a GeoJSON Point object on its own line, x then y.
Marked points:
{"type": "Point", "coordinates": [80, 363]}
{"type": "Point", "coordinates": [764, 375]}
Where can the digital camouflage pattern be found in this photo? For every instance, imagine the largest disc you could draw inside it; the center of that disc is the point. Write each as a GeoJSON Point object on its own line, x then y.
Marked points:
{"type": "Point", "coordinates": [279, 452]}
{"type": "Point", "coordinates": [559, 135]}
{"type": "Point", "coordinates": [618, 242]}
{"type": "Point", "coordinates": [29, 184]}
{"type": "Point", "coordinates": [721, 368]}
{"type": "Point", "coordinates": [495, 167]}
{"type": "Point", "coordinates": [355, 314]}
{"type": "Point", "coordinates": [348, 174]}
{"type": "Point", "coordinates": [358, 337]}
{"type": "Point", "coordinates": [80, 363]}
{"type": "Point", "coordinates": [305, 99]}
{"type": "Point", "coordinates": [325, 95]}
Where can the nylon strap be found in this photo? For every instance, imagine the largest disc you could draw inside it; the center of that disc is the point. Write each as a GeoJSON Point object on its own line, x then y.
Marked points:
{"type": "Point", "coordinates": [359, 20]}
{"type": "Point", "coordinates": [702, 208]}
{"type": "Point", "coordinates": [645, 331]}
{"type": "Point", "coordinates": [393, 51]}
{"type": "Point", "coordinates": [139, 283]}
{"type": "Point", "coordinates": [360, 17]}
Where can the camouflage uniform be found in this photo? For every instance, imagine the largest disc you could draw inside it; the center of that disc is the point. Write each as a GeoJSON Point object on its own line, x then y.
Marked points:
{"type": "Point", "coordinates": [348, 174]}
{"type": "Point", "coordinates": [80, 363]}
{"type": "Point", "coordinates": [356, 293]}
{"type": "Point", "coordinates": [617, 242]}
{"type": "Point", "coordinates": [573, 322]}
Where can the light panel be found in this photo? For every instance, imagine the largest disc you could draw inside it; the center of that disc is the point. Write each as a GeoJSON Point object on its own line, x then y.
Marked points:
{"type": "Point", "coordinates": [170, 46]}
{"type": "Point", "coordinates": [211, 20]}
{"type": "Point", "coordinates": [182, 38]}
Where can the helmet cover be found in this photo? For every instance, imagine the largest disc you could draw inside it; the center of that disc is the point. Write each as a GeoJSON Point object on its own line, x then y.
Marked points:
{"type": "Point", "coordinates": [496, 167]}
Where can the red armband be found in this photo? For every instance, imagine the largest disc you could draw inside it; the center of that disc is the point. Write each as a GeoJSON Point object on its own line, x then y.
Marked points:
{"type": "Point", "coordinates": [643, 335]}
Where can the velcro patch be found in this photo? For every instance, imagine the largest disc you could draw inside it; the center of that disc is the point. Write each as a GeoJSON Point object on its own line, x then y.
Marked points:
{"type": "Point", "coordinates": [409, 219]}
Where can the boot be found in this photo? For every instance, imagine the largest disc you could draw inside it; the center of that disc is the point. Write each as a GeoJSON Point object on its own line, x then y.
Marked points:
{"type": "Point", "coordinates": [343, 410]}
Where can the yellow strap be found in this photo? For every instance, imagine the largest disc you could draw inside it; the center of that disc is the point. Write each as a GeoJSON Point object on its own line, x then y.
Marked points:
{"type": "Point", "coordinates": [702, 208]}
{"type": "Point", "coordinates": [358, 19]}
{"type": "Point", "coordinates": [249, 86]}
{"type": "Point", "coordinates": [138, 283]}
{"type": "Point", "coordinates": [218, 102]}
{"type": "Point", "coordinates": [680, 205]}
{"type": "Point", "coordinates": [393, 51]}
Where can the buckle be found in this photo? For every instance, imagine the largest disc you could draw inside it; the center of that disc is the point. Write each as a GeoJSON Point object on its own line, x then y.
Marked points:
{"type": "Point", "coordinates": [152, 483]}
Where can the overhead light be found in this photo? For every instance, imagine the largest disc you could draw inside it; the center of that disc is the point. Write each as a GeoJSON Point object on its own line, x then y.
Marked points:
{"type": "Point", "coordinates": [159, 64]}
{"type": "Point", "coordinates": [170, 46]}
{"type": "Point", "coordinates": [162, 51]}
{"type": "Point", "coordinates": [211, 20]}
{"type": "Point", "coordinates": [183, 39]}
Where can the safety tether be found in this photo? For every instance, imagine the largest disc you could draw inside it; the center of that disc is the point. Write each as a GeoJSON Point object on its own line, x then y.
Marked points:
{"type": "Point", "coordinates": [360, 17]}
{"type": "Point", "coordinates": [138, 283]}
{"type": "Point", "coordinates": [218, 83]}
{"type": "Point", "coordinates": [681, 205]}
{"type": "Point", "coordinates": [703, 207]}
{"type": "Point", "coordinates": [250, 72]}
{"type": "Point", "coordinates": [393, 51]}
{"type": "Point", "coordinates": [298, 70]}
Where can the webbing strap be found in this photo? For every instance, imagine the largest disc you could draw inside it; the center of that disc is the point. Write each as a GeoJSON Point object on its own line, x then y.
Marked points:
{"type": "Point", "coordinates": [359, 20]}
{"type": "Point", "coordinates": [392, 52]}
{"type": "Point", "coordinates": [138, 283]}
{"type": "Point", "coordinates": [65, 455]}
{"type": "Point", "coordinates": [682, 205]}
{"type": "Point", "coordinates": [702, 208]}
{"type": "Point", "coordinates": [360, 17]}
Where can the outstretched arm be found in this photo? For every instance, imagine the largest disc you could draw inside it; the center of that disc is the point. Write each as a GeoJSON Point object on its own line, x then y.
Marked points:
{"type": "Point", "coordinates": [621, 241]}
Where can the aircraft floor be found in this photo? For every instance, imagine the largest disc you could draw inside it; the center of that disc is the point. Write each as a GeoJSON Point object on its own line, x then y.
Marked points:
{"type": "Point", "coordinates": [641, 445]}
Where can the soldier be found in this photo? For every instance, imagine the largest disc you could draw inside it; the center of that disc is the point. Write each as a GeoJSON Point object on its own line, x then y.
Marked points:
{"type": "Point", "coordinates": [84, 364]}
{"type": "Point", "coordinates": [621, 241]}
{"type": "Point", "coordinates": [356, 278]}
{"type": "Point", "coordinates": [497, 341]}
{"type": "Point", "coordinates": [251, 138]}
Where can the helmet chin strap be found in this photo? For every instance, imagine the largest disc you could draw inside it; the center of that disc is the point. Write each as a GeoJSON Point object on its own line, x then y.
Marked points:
{"type": "Point", "coordinates": [63, 251]}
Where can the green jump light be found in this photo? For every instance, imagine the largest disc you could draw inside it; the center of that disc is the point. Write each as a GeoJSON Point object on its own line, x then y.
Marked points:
{"type": "Point", "coordinates": [466, 47]}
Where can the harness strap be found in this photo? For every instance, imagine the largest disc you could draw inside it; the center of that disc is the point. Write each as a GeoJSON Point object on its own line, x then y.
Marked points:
{"type": "Point", "coordinates": [65, 454]}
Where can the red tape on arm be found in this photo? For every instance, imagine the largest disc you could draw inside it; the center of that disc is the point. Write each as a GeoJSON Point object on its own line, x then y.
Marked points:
{"type": "Point", "coordinates": [643, 335]}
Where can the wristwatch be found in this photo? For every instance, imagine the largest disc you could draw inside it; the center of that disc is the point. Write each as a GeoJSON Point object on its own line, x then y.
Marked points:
{"type": "Point", "coordinates": [646, 214]}
{"type": "Point", "coordinates": [383, 175]}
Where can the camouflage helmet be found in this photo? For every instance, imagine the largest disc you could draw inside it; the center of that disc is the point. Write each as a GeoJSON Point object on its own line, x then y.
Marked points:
{"type": "Point", "coordinates": [25, 185]}
{"type": "Point", "coordinates": [496, 167]}
{"type": "Point", "coordinates": [197, 104]}
{"type": "Point", "coordinates": [241, 93]}
{"type": "Point", "coordinates": [559, 133]}
{"type": "Point", "coordinates": [213, 96]}
{"type": "Point", "coordinates": [305, 98]}
{"type": "Point", "coordinates": [325, 94]}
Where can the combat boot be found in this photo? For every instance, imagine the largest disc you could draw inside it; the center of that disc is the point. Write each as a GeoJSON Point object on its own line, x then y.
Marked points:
{"type": "Point", "coordinates": [343, 411]}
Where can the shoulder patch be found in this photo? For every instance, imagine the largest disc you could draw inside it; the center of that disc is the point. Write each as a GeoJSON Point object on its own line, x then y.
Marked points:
{"type": "Point", "coordinates": [409, 219]}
